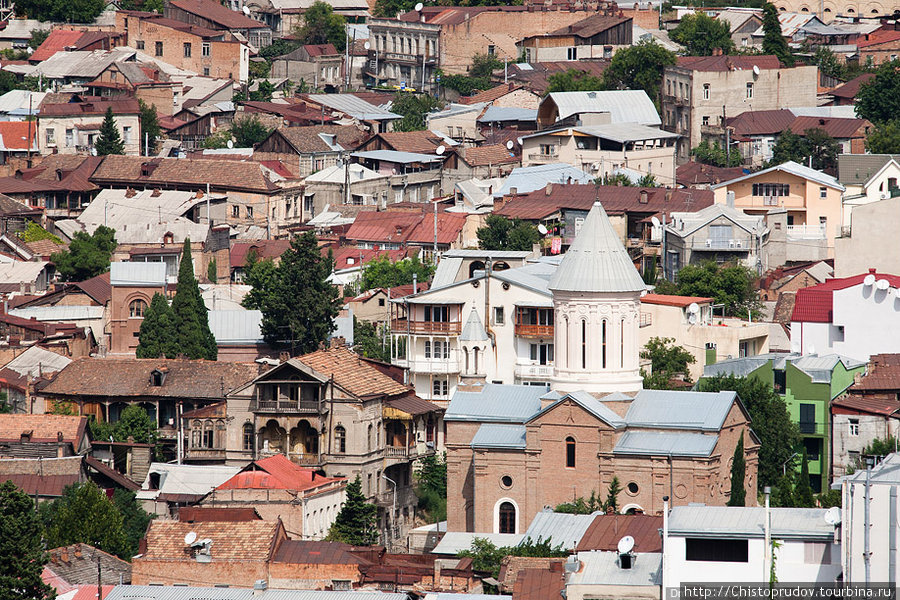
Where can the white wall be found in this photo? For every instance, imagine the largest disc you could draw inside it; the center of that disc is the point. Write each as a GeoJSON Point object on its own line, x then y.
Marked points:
{"type": "Point", "coordinates": [883, 510]}
{"type": "Point", "coordinates": [319, 512]}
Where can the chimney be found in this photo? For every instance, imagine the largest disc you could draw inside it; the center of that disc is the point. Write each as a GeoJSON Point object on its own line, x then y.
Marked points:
{"type": "Point", "coordinates": [155, 193]}
{"type": "Point", "coordinates": [259, 586]}
{"type": "Point", "coordinates": [729, 199]}
{"type": "Point", "coordinates": [130, 193]}
{"type": "Point", "coordinates": [549, 189]}
{"type": "Point", "coordinates": [437, 574]}
{"type": "Point", "coordinates": [645, 197]}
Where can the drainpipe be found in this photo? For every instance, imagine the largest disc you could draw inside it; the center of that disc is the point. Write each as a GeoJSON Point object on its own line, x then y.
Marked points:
{"type": "Point", "coordinates": [867, 547]}
{"type": "Point", "coordinates": [665, 542]}
{"type": "Point", "coordinates": [767, 554]}
{"type": "Point", "coordinates": [487, 303]}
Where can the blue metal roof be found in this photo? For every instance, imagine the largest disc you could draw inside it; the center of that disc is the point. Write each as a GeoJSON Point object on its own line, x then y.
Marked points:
{"type": "Point", "coordinates": [495, 114]}
{"type": "Point", "coordinates": [668, 409]}
{"type": "Point", "coordinates": [498, 403]}
{"type": "Point", "coordinates": [562, 529]}
{"type": "Point", "coordinates": [593, 406]}
{"type": "Point", "coordinates": [528, 179]}
{"type": "Point", "coordinates": [664, 443]}
{"type": "Point", "coordinates": [397, 157]}
{"type": "Point", "coordinates": [498, 435]}
{"type": "Point", "coordinates": [137, 274]}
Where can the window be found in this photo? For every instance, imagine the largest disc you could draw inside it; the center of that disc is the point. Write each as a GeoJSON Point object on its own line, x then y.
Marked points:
{"type": "Point", "coordinates": [812, 447]}
{"type": "Point", "coordinates": [137, 308]}
{"type": "Point", "coordinates": [584, 344]}
{"type": "Point", "coordinates": [140, 44]}
{"type": "Point", "coordinates": [70, 138]}
{"type": "Point", "coordinates": [706, 120]}
{"type": "Point", "coordinates": [491, 50]}
{"type": "Point", "coordinates": [571, 53]}
{"type": "Point", "coordinates": [506, 481]}
{"type": "Point", "coordinates": [235, 211]}
{"type": "Point", "coordinates": [542, 353]}
{"type": "Point", "coordinates": [771, 189]}
{"type": "Point", "coordinates": [126, 134]}
{"type": "Point", "coordinates": [498, 315]}
{"type": "Point", "coordinates": [187, 49]}
{"type": "Point", "coordinates": [507, 518]}
{"type": "Point", "coordinates": [716, 550]}
{"type": "Point", "coordinates": [248, 437]}
{"type": "Point", "coordinates": [205, 49]}
{"type": "Point", "coordinates": [249, 212]}
{"type": "Point", "coordinates": [340, 439]}
{"type": "Point", "coordinates": [853, 427]}
{"type": "Point", "coordinates": [206, 71]}
{"type": "Point", "coordinates": [427, 349]}
{"type": "Point", "coordinates": [159, 49]}
{"type": "Point", "coordinates": [308, 204]}
{"type": "Point", "coordinates": [603, 343]}
{"type": "Point", "coordinates": [570, 452]}
{"type": "Point", "coordinates": [548, 149]}
{"type": "Point", "coordinates": [749, 90]}
{"type": "Point", "coordinates": [706, 91]}
{"type": "Point", "coordinates": [633, 488]}
{"type": "Point", "coordinates": [369, 442]}
{"type": "Point", "coordinates": [208, 435]}
{"type": "Point", "coordinates": [440, 387]}
{"type": "Point", "coordinates": [807, 418]}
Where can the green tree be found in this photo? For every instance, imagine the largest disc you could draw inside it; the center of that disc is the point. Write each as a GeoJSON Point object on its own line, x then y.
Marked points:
{"type": "Point", "coordinates": [464, 84]}
{"type": "Point", "coordinates": [384, 273]}
{"type": "Point", "coordinates": [193, 338]}
{"type": "Point", "coordinates": [299, 304]}
{"type": "Point", "coordinates": [729, 284]}
{"type": "Point", "coordinates": [109, 141]}
{"type": "Point", "coordinates": [65, 11]}
{"type": "Point", "coordinates": [639, 67]}
{"type": "Point", "coordinates": [701, 34]}
{"type": "Point", "coordinates": [715, 155]}
{"type": "Point", "coordinates": [773, 40]}
{"type": "Point", "coordinates": [279, 47]}
{"type": "Point", "coordinates": [769, 418]}
{"type": "Point", "coordinates": [413, 107]}
{"type": "Point", "coordinates": [500, 233]}
{"type": "Point", "coordinates": [486, 556]}
{"type": "Point", "coordinates": [816, 146]}
{"type": "Point", "coordinates": [788, 146]}
{"type": "Point", "coordinates": [34, 232]}
{"type": "Point", "coordinates": [355, 522]}
{"type": "Point", "coordinates": [134, 423]}
{"type": "Point", "coordinates": [647, 180]}
{"type": "Point", "coordinates": [322, 26]}
{"type": "Point", "coordinates": [212, 271]}
{"type": "Point", "coordinates": [38, 37]}
{"type": "Point", "coordinates": [260, 276]}
{"type": "Point", "coordinates": [612, 495]}
{"type": "Point", "coordinates": [614, 179]}
{"type": "Point", "coordinates": [391, 8]}
{"type": "Point", "coordinates": [484, 65]}
{"type": "Point", "coordinates": [667, 362]}
{"type": "Point", "coordinates": [156, 338]}
{"type": "Point", "coordinates": [87, 256]}
{"type": "Point", "coordinates": [263, 92]}
{"type": "Point", "coordinates": [84, 514]}
{"type": "Point", "coordinates": [884, 138]}
{"type": "Point", "coordinates": [134, 519]}
{"type": "Point", "coordinates": [573, 80]}
{"type": "Point", "coordinates": [783, 494]}
{"type": "Point", "coordinates": [581, 506]}
{"type": "Point", "coordinates": [803, 490]}
{"type": "Point", "coordinates": [249, 131]}
{"type": "Point", "coordinates": [8, 82]}
{"type": "Point", "coordinates": [150, 129]}
{"type": "Point", "coordinates": [828, 63]}
{"type": "Point", "coordinates": [878, 99]}
{"type": "Point", "coordinates": [368, 342]}
{"type": "Point", "coordinates": [738, 474]}
{"type": "Point", "coordinates": [431, 486]}
{"type": "Point", "coordinates": [22, 557]}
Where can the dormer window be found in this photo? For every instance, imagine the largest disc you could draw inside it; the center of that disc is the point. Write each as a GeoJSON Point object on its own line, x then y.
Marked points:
{"type": "Point", "coordinates": [157, 378]}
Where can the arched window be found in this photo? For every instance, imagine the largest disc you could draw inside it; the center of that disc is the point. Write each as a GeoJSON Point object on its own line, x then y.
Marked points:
{"type": "Point", "coordinates": [570, 452]}
{"type": "Point", "coordinates": [248, 437]}
{"type": "Point", "coordinates": [475, 352]}
{"type": "Point", "coordinates": [340, 439]}
{"type": "Point", "coordinates": [583, 344]}
{"type": "Point", "coordinates": [603, 343]}
{"type": "Point", "coordinates": [622, 343]}
{"type": "Point", "coordinates": [369, 438]}
{"type": "Point", "coordinates": [507, 518]}
{"type": "Point", "coordinates": [466, 355]}
{"type": "Point", "coordinates": [196, 432]}
{"type": "Point", "coordinates": [137, 308]}
{"type": "Point", "coordinates": [207, 434]}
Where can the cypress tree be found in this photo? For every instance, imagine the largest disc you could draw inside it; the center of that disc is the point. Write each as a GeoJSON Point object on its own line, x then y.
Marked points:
{"type": "Point", "coordinates": [784, 494]}
{"type": "Point", "coordinates": [157, 335]}
{"type": "Point", "coordinates": [355, 523]}
{"type": "Point", "coordinates": [612, 496]}
{"type": "Point", "coordinates": [22, 557]}
{"type": "Point", "coordinates": [803, 492]}
{"type": "Point", "coordinates": [109, 141]}
{"type": "Point", "coordinates": [738, 473]}
{"type": "Point", "coordinates": [193, 338]}
{"type": "Point", "coordinates": [773, 40]}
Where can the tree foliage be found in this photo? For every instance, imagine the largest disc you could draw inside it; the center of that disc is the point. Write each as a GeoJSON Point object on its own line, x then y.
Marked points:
{"type": "Point", "coordinates": [701, 34]}
{"type": "Point", "coordinates": [369, 342]}
{"type": "Point", "coordinates": [828, 63]}
{"type": "Point", "coordinates": [573, 80]}
{"type": "Point", "coordinates": [298, 302]}
{"type": "Point", "coordinates": [22, 557]}
{"type": "Point", "coordinates": [384, 273]}
{"type": "Point", "coordinates": [248, 132]}
{"type": "Point", "coordinates": [87, 256]}
{"type": "Point", "coordinates": [884, 138]}
{"type": "Point", "coordinates": [878, 99]}
{"type": "Point", "coordinates": [109, 141]}
{"type": "Point", "coordinates": [465, 84]}
{"type": "Point", "coordinates": [84, 514]}
{"type": "Point", "coordinates": [486, 556]}
{"type": "Point", "coordinates": [639, 67]}
{"type": "Point", "coordinates": [322, 26]}
{"type": "Point", "coordinates": [585, 506]}
{"type": "Point", "coordinates": [500, 233]}
{"type": "Point", "coordinates": [431, 486]}
{"type": "Point", "coordinates": [150, 129]}
{"type": "Point", "coordinates": [713, 154]}
{"type": "Point", "coordinates": [815, 145]}
{"type": "Point", "coordinates": [34, 232]}
{"type": "Point", "coordinates": [738, 475]}
{"type": "Point", "coordinates": [667, 361]}
{"type": "Point", "coordinates": [729, 284]}
{"type": "Point", "coordinates": [134, 424]}
{"type": "Point", "coordinates": [773, 40]}
{"type": "Point", "coordinates": [156, 338]}
{"type": "Point", "coordinates": [193, 338]}
{"type": "Point", "coordinates": [64, 11]}
{"type": "Point", "coordinates": [413, 107]}
{"type": "Point", "coordinates": [770, 421]}
{"type": "Point", "coordinates": [803, 493]}
{"type": "Point", "coordinates": [134, 519]}
{"type": "Point", "coordinates": [355, 522]}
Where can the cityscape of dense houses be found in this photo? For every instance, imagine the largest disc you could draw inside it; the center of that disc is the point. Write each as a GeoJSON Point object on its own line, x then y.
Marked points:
{"type": "Point", "coordinates": [375, 300]}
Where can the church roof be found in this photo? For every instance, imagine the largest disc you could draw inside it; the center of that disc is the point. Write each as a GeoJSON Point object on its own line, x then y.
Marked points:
{"type": "Point", "coordinates": [473, 330]}
{"type": "Point", "coordinates": [596, 260]}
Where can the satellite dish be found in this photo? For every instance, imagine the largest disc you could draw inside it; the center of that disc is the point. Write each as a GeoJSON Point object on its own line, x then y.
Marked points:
{"type": "Point", "coordinates": [869, 280]}
{"type": "Point", "coordinates": [756, 70]}
{"type": "Point", "coordinates": [626, 544]}
{"type": "Point", "coordinates": [230, 144]}
{"type": "Point", "coordinates": [246, 10]}
{"type": "Point", "coordinates": [509, 145]}
{"type": "Point", "coordinates": [833, 515]}
{"type": "Point", "coordinates": [693, 308]}
{"type": "Point", "coordinates": [367, 46]}
{"type": "Point", "coordinates": [692, 319]}
{"type": "Point", "coordinates": [882, 284]}
{"type": "Point", "coordinates": [419, 7]}
{"type": "Point", "coordinates": [190, 538]}
{"type": "Point", "coordinates": [655, 221]}
{"type": "Point", "coordinates": [542, 229]}
{"type": "Point", "coordinates": [440, 150]}
{"type": "Point", "coordinates": [519, 141]}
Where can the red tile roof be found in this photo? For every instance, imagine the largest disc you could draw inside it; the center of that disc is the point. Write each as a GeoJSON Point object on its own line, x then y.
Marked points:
{"type": "Point", "coordinates": [57, 41]}
{"type": "Point", "coordinates": [215, 12]}
{"type": "Point", "coordinates": [353, 374]}
{"type": "Point", "coordinates": [494, 154]}
{"type": "Point", "coordinates": [727, 62]}
{"type": "Point", "coordinates": [423, 142]}
{"type": "Point", "coordinates": [876, 404]}
{"type": "Point", "coordinates": [98, 288]}
{"type": "Point", "coordinates": [606, 531]}
{"type": "Point", "coordinates": [405, 227]}
{"type": "Point", "coordinates": [42, 428]}
{"type": "Point", "coordinates": [667, 300]}
{"type": "Point", "coordinates": [879, 36]}
{"type": "Point", "coordinates": [277, 473]}
{"type": "Point", "coordinates": [244, 541]}
{"type": "Point", "coordinates": [883, 375]}
{"type": "Point", "coordinates": [814, 304]}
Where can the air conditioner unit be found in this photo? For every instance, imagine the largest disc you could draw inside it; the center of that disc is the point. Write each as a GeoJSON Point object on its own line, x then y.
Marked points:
{"type": "Point", "coordinates": [709, 243]}
{"type": "Point", "coordinates": [738, 244]}
{"type": "Point", "coordinates": [731, 243]}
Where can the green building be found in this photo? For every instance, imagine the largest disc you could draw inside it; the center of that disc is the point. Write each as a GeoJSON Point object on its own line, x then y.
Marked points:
{"type": "Point", "coordinates": [808, 383]}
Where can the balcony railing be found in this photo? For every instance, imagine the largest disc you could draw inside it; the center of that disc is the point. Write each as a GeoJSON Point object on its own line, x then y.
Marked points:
{"type": "Point", "coordinates": [716, 244]}
{"type": "Point", "coordinates": [810, 428]}
{"type": "Point", "coordinates": [534, 371]}
{"type": "Point", "coordinates": [426, 327]}
{"type": "Point", "coordinates": [437, 365]}
{"type": "Point", "coordinates": [204, 453]}
{"type": "Point", "coordinates": [541, 157]}
{"type": "Point", "coordinates": [285, 406]}
{"type": "Point", "coordinates": [806, 232]}
{"type": "Point", "coordinates": [543, 331]}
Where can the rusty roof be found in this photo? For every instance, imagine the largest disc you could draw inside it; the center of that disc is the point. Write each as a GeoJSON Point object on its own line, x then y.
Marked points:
{"type": "Point", "coordinates": [592, 25]}
{"type": "Point", "coordinates": [46, 485]}
{"type": "Point", "coordinates": [491, 94]}
{"type": "Point", "coordinates": [494, 154]}
{"type": "Point", "coordinates": [195, 173]}
{"type": "Point", "coordinates": [42, 428]}
{"type": "Point", "coordinates": [395, 226]}
{"type": "Point", "coordinates": [539, 584]}
{"type": "Point", "coordinates": [217, 13]}
{"type": "Point", "coordinates": [728, 62]}
{"type": "Point", "coordinates": [669, 300]}
{"type": "Point", "coordinates": [304, 552]}
{"type": "Point", "coordinates": [885, 405]}
{"type": "Point", "coordinates": [352, 373]}
{"type": "Point", "coordinates": [239, 541]}
{"type": "Point", "coordinates": [606, 531]}
{"type": "Point", "coordinates": [308, 139]}
{"type": "Point", "coordinates": [694, 173]}
{"type": "Point", "coordinates": [57, 41]}
{"type": "Point", "coordinates": [422, 142]}
{"type": "Point", "coordinates": [263, 248]}
{"type": "Point", "coordinates": [130, 377]}
{"type": "Point", "coordinates": [851, 88]}
{"type": "Point", "coordinates": [835, 127]}
{"type": "Point", "coordinates": [413, 405]}
{"type": "Point", "coordinates": [77, 564]}
{"type": "Point", "coordinates": [883, 374]}
{"type": "Point", "coordinates": [761, 122]}
{"type": "Point", "coordinates": [124, 106]}
{"type": "Point", "coordinates": [98, 288]}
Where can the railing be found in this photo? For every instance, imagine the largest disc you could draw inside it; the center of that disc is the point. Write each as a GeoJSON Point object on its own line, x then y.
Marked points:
{"type": "Point", "coordinates": [806, 232]}
{"type": "Point", "coordinates": [534, 330]}
{"type": "Point", "coordinates": [428, 327]}
{"type": "Point", "coordinates": [646, 320]}
{"type": "Point", "coordinates": [205, 453]}
{"type": "Point", "coordinates": [534, 371]}
{"type": "Point", "coordinates": [542, 157]}
{"type": "Point", "coordinates": [716, 244]}
{"type": "Point", "coordinates": [285, 406]}
{"type": "Point", "coordinates": [437, 365]}
{"type": "Point", "coordinates": [810, 428]}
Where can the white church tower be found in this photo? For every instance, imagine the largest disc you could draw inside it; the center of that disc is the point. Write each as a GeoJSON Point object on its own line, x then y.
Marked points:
{"type": "Point", "coordinates": [596, 297]}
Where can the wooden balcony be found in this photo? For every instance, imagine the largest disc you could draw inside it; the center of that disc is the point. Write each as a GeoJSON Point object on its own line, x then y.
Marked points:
{"type": "Point", "coordinates": [285, 406]}
{"type": "Point", "coordinates": [204, 454]}
{"type": "Point", "coordinates": [534, 331]}
{"type": "Point", "coordinates": [426, 327]}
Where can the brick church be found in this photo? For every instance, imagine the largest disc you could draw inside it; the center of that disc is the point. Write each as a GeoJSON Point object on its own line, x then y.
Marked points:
{"type": "Point", "coordinates": [513, 450]}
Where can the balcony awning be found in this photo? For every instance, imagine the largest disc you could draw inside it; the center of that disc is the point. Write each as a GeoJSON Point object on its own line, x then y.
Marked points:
{"type": "Point", "coordinates": [543, 303]}
{"type": "Point", "coordinates": [407, 407]}
{"type": "Point", "coordinates": [427, 299]}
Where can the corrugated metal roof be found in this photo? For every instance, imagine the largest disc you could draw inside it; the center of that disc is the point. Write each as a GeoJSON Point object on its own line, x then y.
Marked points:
{"type": "Point", "coordinates": [186, 479]}
{"type": "Point", "coordinates": [158, 592]}
{"type": "Point", "coordinates": [498, 435]}
{"type": "Point", "coordinates": [137, 274]}
{"type": "Point", "coordinates": [455, 542]}
{"type": "Point", "coordinates": [446, 271]}
{"type": "Point", "coordinates": [59, 313]}
{"type": "Point", "coordinates": [499, 403]}
{"type": "Point", "coordinates": [236, 326]}
{"type": "Point", "coordinates": [487, 254]}
{"type": "Point", "coordinates": [496, 114]}
{"type": "Point", "coordinates": [37, 360]}
{"type": "Point", "coordinates": [791, 168]}
{"type": "Point", "coordinates": [561, 529]}
{"type": "Point", "coordinates": [602, 568]}
{"type": "Point", "coordinates": [739, 367]}
{"type": "Point", "coordinates": [665, 444]}
{"type": "Point", "coordinates": [668, 409]}
{"type": "Point", "coordinates": [597, 261]}
{"type": "Point", "coordinates": [749, 522]}
{"type": "Point", "coordinates": [337, 174]}
{"type": "Point", "coordinates": [395, 156]}
{"type": "Point", "coordinates": [624, 106]}
{"type": "Point", "coordinates": [593, 406]}
{"type": "Point", "coordinates": [626, 132]}
{"type": "Point", "coordinates": [885, 472]}
{"type": "Point", "coordinates": [353, 106]}
{"type": "Point", "coordinates": [529, 179]}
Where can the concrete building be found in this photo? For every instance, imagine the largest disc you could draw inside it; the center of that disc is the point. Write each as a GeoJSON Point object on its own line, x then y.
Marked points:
{"type": "Point", "coordinates": [73, 127]}
{"type": "Point", "coordinates": [319, 65]}
{"type": "Point", "coordinates": [213, 15]}
{"type": "Point", "coordinates": [597, 36]}
{"type": "Point", "coordinates": [597, 108]}
{"type": "Point", "coordinates": [699, 91]}
{"type": "Point", "coordinates": [827, 10]}
{"type": "Point", "coordinates": [872, 240]}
